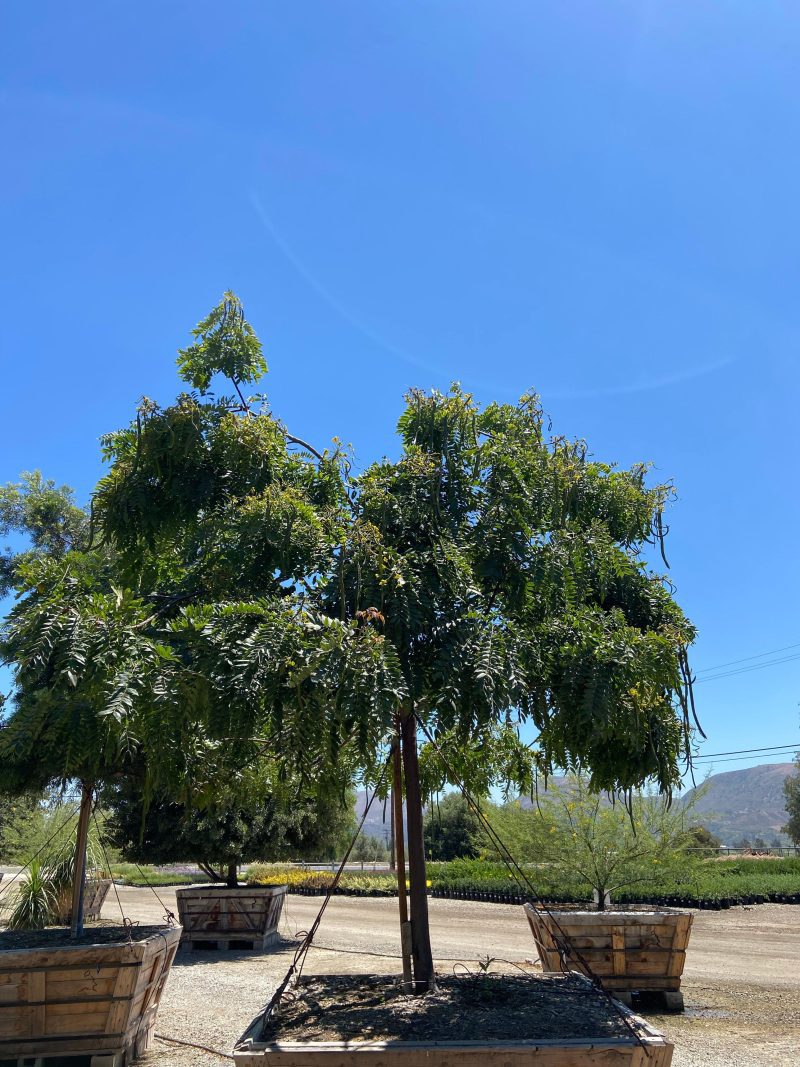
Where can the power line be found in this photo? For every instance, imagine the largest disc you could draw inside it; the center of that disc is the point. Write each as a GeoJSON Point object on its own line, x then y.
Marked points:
{"type": "Point", "coordinates": [746, 670]}
{"type": "Point", "coordinates": [737, 759]}
{"type": "Point", "coordinates": [741, 751]}
{"type": "Point", "coordinates": [744, 659]}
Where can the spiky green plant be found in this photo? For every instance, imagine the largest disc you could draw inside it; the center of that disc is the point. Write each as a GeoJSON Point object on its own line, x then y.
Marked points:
{"type": "Point", "coordinates": [34, 902]}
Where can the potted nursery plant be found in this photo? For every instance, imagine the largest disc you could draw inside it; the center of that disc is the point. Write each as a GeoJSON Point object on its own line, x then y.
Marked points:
{"type": "Point", "coordinates": [487, 577]}
{"type": "Point", "coordinates": [261, 819]}
{"type": "Point", "coordinates": [610, 847]}
{"type": "Point", "coordinates": [75, 642]}
{"type": "Point", "coordinates": [46, 889]}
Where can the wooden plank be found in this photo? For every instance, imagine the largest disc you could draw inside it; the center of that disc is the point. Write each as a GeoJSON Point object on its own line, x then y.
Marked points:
{"type": "Point", "coordinates": [12, 988]}
{"type": "Point", "coordinates": [13, 1025]}
{"type": "Point", "coordinates": [37, 1009]}
{"type": "Point", "coordinates": [84, 1024]}
{"type": "Point", "coordinates": [618, 951]}
{"type": "Point", "coordinates": [70, 958]}
{"type": "Point", "coordinates": [120, 1011]}
{"type": "Point", "coordinates": [564, 1053]}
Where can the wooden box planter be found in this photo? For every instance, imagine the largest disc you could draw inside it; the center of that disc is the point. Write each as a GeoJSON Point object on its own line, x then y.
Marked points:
{"type": "Point", "coordinates": [642, 1047]}
{"type": "Point", "coordinates": [221, 917]}
{"type": "Point", "coordinates": [95, 1000]}
{"type": "Point", "coordinates": [94, 895]}
{"type": "Point", "coordinates": [629, 951]}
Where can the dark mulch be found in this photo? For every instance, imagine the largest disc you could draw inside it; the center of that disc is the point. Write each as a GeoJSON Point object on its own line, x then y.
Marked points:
{"type": "Point", "coordinates": [58, 936]}
{"type": "Point", "coordinates": [496, 1007]}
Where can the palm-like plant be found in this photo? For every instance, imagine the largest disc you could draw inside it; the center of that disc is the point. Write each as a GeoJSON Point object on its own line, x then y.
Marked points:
{"type": "Point", "coordinates": [35, 900]}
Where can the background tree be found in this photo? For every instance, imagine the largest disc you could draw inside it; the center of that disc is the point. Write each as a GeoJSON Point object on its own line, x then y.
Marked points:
{"type": "Point", "coordinates": [264, 820]}
{"type": "Point", "coordinates": [490, 576]}
{"type": "Point", "coordinates": [609, 846]}
{"type": "Point", "coordinates": [369, 849]}
{"type": "Point", "coordinates": [22, 820]}
{"type": "Point", "coordinates": [700, 837]}
{"type": "Point", "coordinates": [450, 829]}
{"type": "Point", "coordinates": [43, 517]}
{"type": "Point", "coordinates": [791, 790]}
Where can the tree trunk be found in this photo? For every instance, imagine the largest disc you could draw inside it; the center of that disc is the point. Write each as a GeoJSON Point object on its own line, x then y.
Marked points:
{"type": "Point", "coordinates": [393, 821]}
{"type": "Point", "coordinates": [233, 875]}
{"type": "Point", "coordinates": [400, 854]}
{"type": "Point", "coordinates": [421, 952]}
{"type": "Point", "coordinates": [79, 871]}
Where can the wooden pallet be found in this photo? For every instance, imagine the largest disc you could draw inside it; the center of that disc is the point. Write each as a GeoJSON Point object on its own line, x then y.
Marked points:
{"type": "Point", "coordinates": [215, 943]}
{"type": "Point", "coordinates": [81, 1059]}
{"type": "Point", "coordinates": [671, 1000]}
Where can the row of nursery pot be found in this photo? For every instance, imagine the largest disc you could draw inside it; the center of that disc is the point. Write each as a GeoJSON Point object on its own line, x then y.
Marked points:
{"type": "Point", "coordinates": [505, 897]}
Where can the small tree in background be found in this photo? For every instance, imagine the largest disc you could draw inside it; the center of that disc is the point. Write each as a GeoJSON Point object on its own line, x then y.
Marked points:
{"type": "Point", "coordinates": [581, 833]}
{"type": "Point", "coordinates": [22, 819]}
{"type": "Point", "coordinates": [264, 820]}
{"type": "Point", "coordinates": [369, 849]}
{"type": "Point", "coordinates": [450, 829]}
{"type": "Point", "coordinates": [701, 838]}
{"type": "Point", "coordinates": [791, 790]}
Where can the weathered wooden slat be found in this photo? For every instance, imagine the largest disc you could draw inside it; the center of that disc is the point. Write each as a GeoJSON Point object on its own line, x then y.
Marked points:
{"type": "Point", "coordinates": [623, 946]}
{"type": "Point", "coordinates": [91, 1000]}
{"type": "Point", "coordinates": [564, 1053]}
{"type": "Point", "coordinates": [222, 914]}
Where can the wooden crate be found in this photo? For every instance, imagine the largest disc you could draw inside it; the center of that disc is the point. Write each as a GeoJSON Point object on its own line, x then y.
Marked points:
{"type": "Point", "coordinates": [648, 1049]}
{"type": "Point", "coordinates": [629, 951]}
{"type": "Point", "coordinates": [245, 917]}
{"type": "Point", "coordinates": [91, 1000]}
{"type": "Point", "coordinates": [94, 896]}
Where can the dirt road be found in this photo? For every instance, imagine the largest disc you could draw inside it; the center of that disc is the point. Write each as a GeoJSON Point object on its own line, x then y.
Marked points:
{"type": "Point", "coordinates": [742, 978]}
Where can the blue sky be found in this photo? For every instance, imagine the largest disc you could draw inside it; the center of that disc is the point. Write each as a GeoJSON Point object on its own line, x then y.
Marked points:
{"type": "Point", "coordinates": [596, 200]}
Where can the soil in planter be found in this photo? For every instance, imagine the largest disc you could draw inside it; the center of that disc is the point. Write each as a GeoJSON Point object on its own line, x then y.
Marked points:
{"type": "Point", "coordinates": [474, 1007]}
{"type": "Point", "coordinates": [58, 936]}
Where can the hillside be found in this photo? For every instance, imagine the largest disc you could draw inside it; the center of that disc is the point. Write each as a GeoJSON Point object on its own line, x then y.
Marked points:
{"type": "Point", "coordinates": [375, 826]}
{"type": "Point", "coordinates": [745, 803]}
{"type": "Point", "coordinates": [739, 804]}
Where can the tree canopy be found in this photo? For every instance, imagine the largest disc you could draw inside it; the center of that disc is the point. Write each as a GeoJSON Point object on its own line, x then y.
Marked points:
{"type": "Point", "coordinates": [245, 593]}
{"type": "Point", "coordinates": [262, 820]}
{"type": "Point", "coordinates": [491, 573]}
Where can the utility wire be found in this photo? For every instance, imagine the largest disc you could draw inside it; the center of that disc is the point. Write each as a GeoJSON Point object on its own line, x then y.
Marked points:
{"type": "Point", "coordinates": [745, 659]}
{"type": "Point", "coordinates": [747, 670]}
{"type": "Point", "coordinates": [737, 759]}
{"type": "Point", "coordinates": [741, 751]}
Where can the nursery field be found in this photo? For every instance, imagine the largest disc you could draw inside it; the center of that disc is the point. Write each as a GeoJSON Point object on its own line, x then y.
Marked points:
{"type": "Point", "coordinates": [709, 883]}
{"type": "Point", "coordinates": [742, 978]}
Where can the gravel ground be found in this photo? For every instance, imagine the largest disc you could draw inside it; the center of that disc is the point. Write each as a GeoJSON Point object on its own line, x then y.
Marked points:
{"type": "Point", "coordinates": [741, 983]}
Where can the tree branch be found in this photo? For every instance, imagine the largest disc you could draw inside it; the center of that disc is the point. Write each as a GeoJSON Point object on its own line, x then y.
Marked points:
{"type": "Point", "coordinates": [302, 443]}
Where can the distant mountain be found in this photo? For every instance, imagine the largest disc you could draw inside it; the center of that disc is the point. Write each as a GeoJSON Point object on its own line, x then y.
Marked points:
{"type": "Point", "coordinates": [375, 825]}
{"type": "Point", "coordinates": [745, 804]}
{"type": "Point", "coordinates": [738, 804]}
